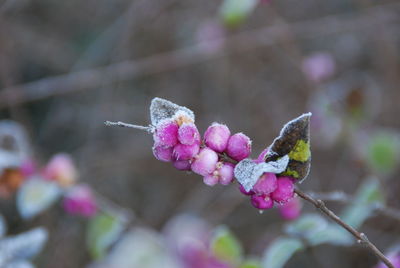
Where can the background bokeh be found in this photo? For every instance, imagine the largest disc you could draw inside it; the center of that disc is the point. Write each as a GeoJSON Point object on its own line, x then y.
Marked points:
{"type": "Point", "coordinates": [67, 66]}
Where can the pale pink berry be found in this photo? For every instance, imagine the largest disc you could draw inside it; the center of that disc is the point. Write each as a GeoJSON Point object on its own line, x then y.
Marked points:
{"type": "Point", "coordinates": [291, 210]}
{"type": "Point", "coordinates": [163, 153]}
{"type": "Point", "coordinates": [225, 173]}
{"type": "Point", "coordinates": [262, 201]}
{"type": "Point", "coordinates": [185, 152]}
{"type": "Point", "coordinates": [243, 191]}
{"type": "Point", "coordinates": [239, 146]}
{"type": "Point", "coordinates": [266, 184]}
{"type": "Point", "coordinates": [205, 162]}
{"type": "Point", "coordinates": [188, 134]}
{"type": "Point", "coordinates": [166, 134]}
{"type": "Point", "coordinates": [210, 179]}
{"type": "Point", "coordinates": [319, 66]}
{"type": "Point", "coordinates": [61, 169]}
{"type": "Point", "coordinates": [216, 137]}
{"type": "Point", "coordinates": [182, 164]}
{"type": "Point", "coordinates": [285, 190]}
{"type": "Point", "coordinates": [80, 200]}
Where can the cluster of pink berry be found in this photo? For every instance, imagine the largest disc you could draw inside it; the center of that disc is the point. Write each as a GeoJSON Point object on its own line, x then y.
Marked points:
{"type": "Point", "coordinates": [178, 140]}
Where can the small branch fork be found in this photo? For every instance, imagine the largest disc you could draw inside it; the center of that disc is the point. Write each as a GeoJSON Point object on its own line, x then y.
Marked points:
{"type": "Point", "coordinates": [361, 237]}
{"type": "Point", "coordinates": [318, 203]}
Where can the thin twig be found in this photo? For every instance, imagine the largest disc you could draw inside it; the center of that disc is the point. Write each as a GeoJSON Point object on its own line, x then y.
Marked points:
{"type": "Point", "coordinates": [122, 124]}
{"type": "Point", "coordinates": [361, 237]}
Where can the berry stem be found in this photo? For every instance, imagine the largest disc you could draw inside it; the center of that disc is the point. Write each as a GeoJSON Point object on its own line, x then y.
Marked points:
{"type": "Point", "coordinates": [361, 237]}
{"type": "Point", "coordinates": [122, 124]}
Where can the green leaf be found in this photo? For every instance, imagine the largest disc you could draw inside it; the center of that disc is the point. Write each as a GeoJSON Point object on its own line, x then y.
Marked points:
{"type": "Point", "coordinates": [306, 225]}
{"type": "Point", "coordinates": [280, 251]}
{"type": "Point", "coordinates": [103, 231]}
{"type": "Point", "coordinates": [368, 196]}
{"type": "Point", "coordinates": [250, 264]}
{"type": "Point", "coordinates": [383, 152]}
{"type": "Point", "coordinates": [331, 234]}
{"type": "Point", "coordinates": [225, 246]}
{"type": "Point", "coordinates": [234, 12]}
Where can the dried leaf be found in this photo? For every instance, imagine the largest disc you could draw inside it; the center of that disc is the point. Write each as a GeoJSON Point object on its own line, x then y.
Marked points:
{"type": "Point", "coordinates": [294, 140]}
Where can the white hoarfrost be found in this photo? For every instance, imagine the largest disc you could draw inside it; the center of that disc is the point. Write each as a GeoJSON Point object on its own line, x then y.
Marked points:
{"type": "Point", "coordinates": [247, 172]}
{"type": "Point", "coordinates": [161, 109]}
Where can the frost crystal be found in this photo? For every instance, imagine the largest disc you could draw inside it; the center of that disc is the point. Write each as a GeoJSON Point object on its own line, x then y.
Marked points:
{"type": "Point", "coordinates": [247, 172]}
{"type": "Point", "coordinates": [161, 109]}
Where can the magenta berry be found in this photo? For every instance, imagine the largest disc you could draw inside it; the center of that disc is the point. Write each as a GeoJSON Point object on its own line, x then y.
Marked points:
{"type": "Point", "coordinates": [266, 184]}
{"type": "Point", "coordinates": [163, 153]}
{"type": "Point", "coordinates": [291, 210]}
{"type": "Point", "coordinates": [185, 152]}
{"type": "Point", "coordinates": [239, 146]}
{"type": "Point", "coordinates": [261, 157]}
{"type": "Point", "coordinates": [225, 173]}
{"type": "Point", "coordinates": [210, 180]}
{"type": "Point", "coordinates": [243, 191]}
{"type": "Point", "coordinates": [262, 201]}
{"type": "Point", "coordinates": [166, 134]}
{"type": "Point", "coordinates": [216, 137]}
{"type": "Point", "coordinates": [205, 162]}
{"type": "Point", "coordinates": [182, 164]}
{"type": "Point", "coordinates": [188, 134]}
{"type": "Point", "coordinates": [80, 201]}
{"type": "Point", "coordinates": [285, 190]}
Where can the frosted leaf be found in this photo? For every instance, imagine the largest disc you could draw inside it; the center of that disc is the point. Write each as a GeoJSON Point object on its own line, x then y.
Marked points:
{"type": "Point", "coordinates": [13, 136]}
{"type": "Point", "coordinates": [3, 227]}
{"type": "Point", "coordinates": [23, 246]}
{"type": "Point", "coordinates": [19, 264]}
{"type": "Point", "coordinates": [294, 141]}
{"type": "Point", "coordinates": [35, 196]}
{"type": "Point", "coordinates": [247, 172]}
{"type": "Point", "coordinates": [161, 109]}
{"type": "Point", "coordinates": [9, 160]}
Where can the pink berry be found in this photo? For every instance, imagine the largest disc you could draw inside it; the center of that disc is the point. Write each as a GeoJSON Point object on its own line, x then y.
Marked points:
{"type": "Point", "coordinates": [262, 201]}
{"type": "Point", "coordinates": [290, 210]}
{"type": "Point", "coordinates": [61, 168]}
{"type": "Point", "coordinates": [266, 184]}
{"type": "Point", "coordinates": [28, 168]}
{"type": "Point", "coordinates": [188, 134]}
{"type": "Point", "coordinates": [239, 146]}
{"type": "Point", "coordinates": [163, 153]}
{"type": "Point", "coordinates": [182, 164]}
{"type": "Point", "coordinates": [216, 137]}
{"type": "Point", "coordinates": [80, 201]}
{"type": "Point", "coordinates": [261, 157]}
{"type": "Point", "coordinates": [204, 163]}
{"type": "Point", "coordinates": [285, 190]}
{"type": "Point", "coordinates": [225, 173]}
{"type": "Point", "coordinates": [243, 191]}
{"type": "Point", "coordinates": [185, 152]}
{"type": "Point", "coordinates": [210, 180]}
{"type": "Point", "coordinates": [166, 134]}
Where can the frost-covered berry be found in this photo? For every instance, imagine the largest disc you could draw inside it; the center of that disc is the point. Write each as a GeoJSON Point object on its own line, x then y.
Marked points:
{"type": "Point", "coordinates": [182, 164]}
{"type": "Point", "coordinates": [166, 134]}
{"type": "Point", "coordinates": [185, 152]}
{"type": "Point", "coordinates": [216, 137]}
{"type": "Point", "coordinates": [262, 201]}
{"type": "Point", "coordinates": [188, 134]}
{"type": "Point", "coordinates": [239, 146]}
{"type": "Point", "coordinates": [204, 163]}
{"type": "Point", "coordinates": [291, 210]}
{"type": "Point", "coordinates": [285, 190]}
{"type": "Point", "coordinates": [266, 184]}
{"type": "Point", "coordinates": [163, 153]}
{"type": "Point", "coordinates": [243, 191]}
{"type": "Point", "coordinates": [225, 173]}
{"type": "Point", "coordinates": [210, 180]}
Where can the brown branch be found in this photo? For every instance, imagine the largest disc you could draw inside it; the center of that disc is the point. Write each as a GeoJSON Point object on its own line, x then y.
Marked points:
{"type": "Point", "coordinates": [239, 43]}
{"type": "Point", "coordinates": [361, 237]}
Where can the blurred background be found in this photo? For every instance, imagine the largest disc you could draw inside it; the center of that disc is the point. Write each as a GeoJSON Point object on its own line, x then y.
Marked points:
{"type": "Point", "coordinates": [67, 66]}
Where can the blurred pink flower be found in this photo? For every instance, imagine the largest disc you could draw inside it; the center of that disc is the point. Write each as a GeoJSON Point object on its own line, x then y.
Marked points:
{"type": "Point", "coordinates": [318, 66]}
{"type": "Point", "coordinates": [61, 169]}
{"type": "Point", "coordinates": [80, 200]}
{"type": "Point", "coordinates": [28, 168]}
{"type": "Point", "coordinates": [394, 258]}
